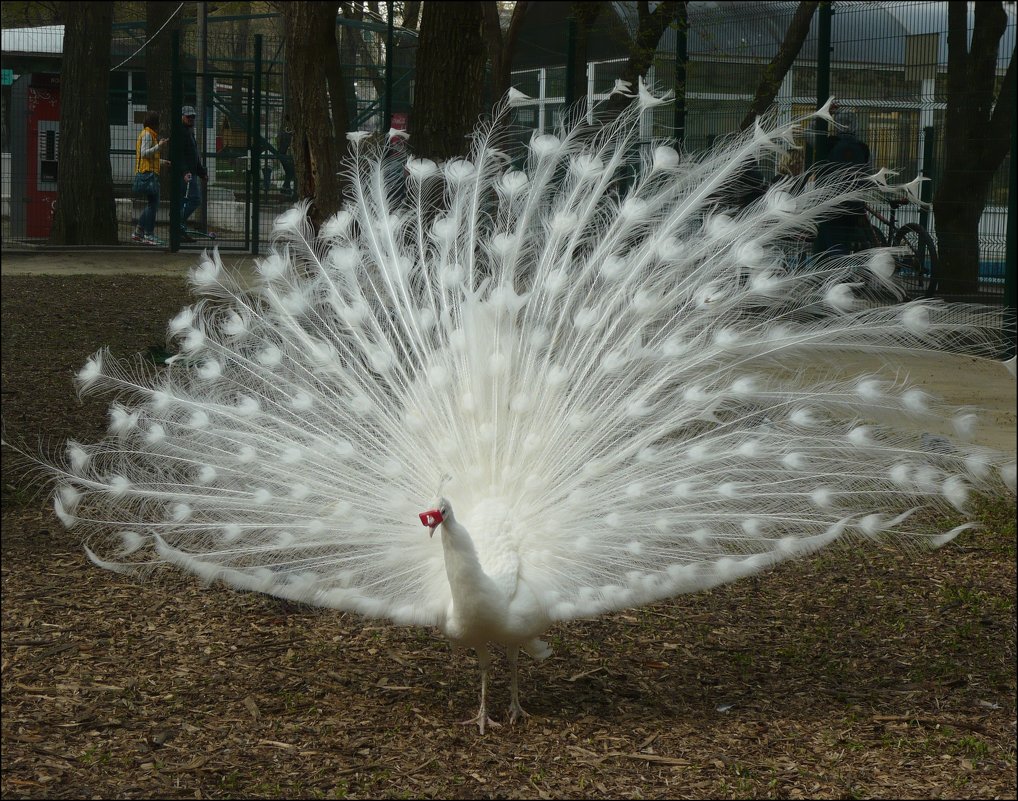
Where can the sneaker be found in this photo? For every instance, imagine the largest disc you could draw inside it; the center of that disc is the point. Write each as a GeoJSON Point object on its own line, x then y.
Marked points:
{"type": "Point", "coordinates": [137, 236]}
{"type": "Point", "coordinates": [152, 240]}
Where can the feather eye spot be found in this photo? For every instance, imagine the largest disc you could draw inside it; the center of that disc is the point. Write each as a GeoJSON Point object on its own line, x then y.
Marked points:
{"type": "Point", "coordinates": [822, 498]}
{"type": "Point", "coordinates": [181, 512]}
{"type": "Point", "coordinates": [270, 356]}
{"type": "Point", "coordinates": [545, 145]}
{"type": "Point", "coordinates": [636, 389]}
{"type": "Point", "coordinates": [206, 474]}
{"type": "Point", "coordinates": [665, 158]}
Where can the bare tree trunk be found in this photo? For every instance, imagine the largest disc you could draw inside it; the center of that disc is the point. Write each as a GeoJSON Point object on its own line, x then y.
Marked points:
{"type": "Point", "coordinates": [450, 78]}
{"type": "Point", "coordinates": [502, 49]}
{"type": "Point", "coordinates": [976, 139]}
{"type": "Point", "coordinates": [85, 211]}
{"type": "Point", "coordinates": [411, 14]}
{"type": "Point", "coordinates": [359, 48]}
{"type": "Point", "coordinates": [650, 27]}
{"type": "Point", "coordinates": [775, 72]}
{"type": "Point", "coordinates": [313, 73]}
{"type": "Point", "coordinates": [336, 83]}
{"type": "Point", "coordinates": [586, 15]}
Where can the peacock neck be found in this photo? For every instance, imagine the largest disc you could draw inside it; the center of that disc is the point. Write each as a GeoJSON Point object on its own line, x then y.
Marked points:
{"type": "Point", "coordinates": [467, 578]}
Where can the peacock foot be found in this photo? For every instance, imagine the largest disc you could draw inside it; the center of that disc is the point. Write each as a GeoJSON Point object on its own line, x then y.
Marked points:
{"type": "Point", "coordinates": [482, 720]}
{"type": "Point", "coordinates": [517, 712]}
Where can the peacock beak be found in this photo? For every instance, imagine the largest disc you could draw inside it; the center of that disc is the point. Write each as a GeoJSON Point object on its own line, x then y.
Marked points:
{"type": "Point", "coordinates": [431, 519]}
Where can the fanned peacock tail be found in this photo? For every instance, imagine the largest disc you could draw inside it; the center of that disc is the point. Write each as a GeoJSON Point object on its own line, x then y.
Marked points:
{"type": "Point", "coordinates": [616, 368]}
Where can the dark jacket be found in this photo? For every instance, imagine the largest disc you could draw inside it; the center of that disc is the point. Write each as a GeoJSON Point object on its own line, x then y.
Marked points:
{"type": "Point", "coordinates": [849, 153]}
{"type": "Point", "coordinates": [190, 159]}
{"type": "Point", "coordinates": [849, 149]}
{"type": "Point", "coordinates": [846, 230]}
{"type": "Point", "coordinates": [283, 142]}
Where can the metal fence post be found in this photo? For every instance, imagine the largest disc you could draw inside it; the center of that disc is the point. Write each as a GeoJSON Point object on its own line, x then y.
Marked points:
{"type": "Point", "coordinates": [824, 24]}
{"type": "Point", "coordinates": [256, 148]}
{"type": "Point", "coordinates": [929, 171]}
{"type": "Point", "coordinates": [201, 85]}
{"type": "Point", "coordinates": [177, 135]}
{"type": "Point", "coordinates": [681, 57]}
{"type": "Point", "coordinates": [1010, 311]}
{"type": "Point", "coordinates": [389, 57]}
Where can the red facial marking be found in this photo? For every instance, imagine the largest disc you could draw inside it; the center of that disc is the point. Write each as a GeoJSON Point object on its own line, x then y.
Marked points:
{"type": "Point", "coordinates": [431, 518]}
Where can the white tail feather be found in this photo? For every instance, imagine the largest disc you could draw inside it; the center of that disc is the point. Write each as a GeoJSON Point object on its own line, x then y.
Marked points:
{"type": "Point", "coordinates": [612, 378]}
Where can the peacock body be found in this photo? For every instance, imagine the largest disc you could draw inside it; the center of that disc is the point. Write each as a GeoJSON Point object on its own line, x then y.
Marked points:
{"type": "Point", "coordinates": [594, 358]}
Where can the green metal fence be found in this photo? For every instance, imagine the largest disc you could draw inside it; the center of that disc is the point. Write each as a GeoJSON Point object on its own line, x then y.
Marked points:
{"type": "Point", "coordinates": [236, 81]}
{"type": "Point", "coordinates": [884, 61]}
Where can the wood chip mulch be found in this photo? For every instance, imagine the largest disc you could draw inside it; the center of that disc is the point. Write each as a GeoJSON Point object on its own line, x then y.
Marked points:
{"type": "Point", "coordinates": [861, 673]}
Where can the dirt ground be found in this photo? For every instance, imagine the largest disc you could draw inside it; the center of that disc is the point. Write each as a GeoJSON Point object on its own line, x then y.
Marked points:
{"type": "Point", "coordinates": [961, 380]}
{"type": "Point", "coordinates": [856, 674]}
{"type": "Point", "coordinates": [123, 261]}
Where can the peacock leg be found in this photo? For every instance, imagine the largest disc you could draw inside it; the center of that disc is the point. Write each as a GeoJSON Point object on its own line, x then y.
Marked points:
{"type": "Point", "coordinates": [516, 712]}
{"type": "Point", "coordinates": [482, 719]}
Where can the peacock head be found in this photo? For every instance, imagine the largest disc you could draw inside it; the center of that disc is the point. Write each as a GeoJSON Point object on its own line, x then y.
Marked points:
{"type": "Point", "coordinates": [434, 517]}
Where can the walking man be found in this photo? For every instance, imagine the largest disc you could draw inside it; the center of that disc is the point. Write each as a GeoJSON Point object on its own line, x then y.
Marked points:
{"type": "Point", "coordinates": [193, 169]}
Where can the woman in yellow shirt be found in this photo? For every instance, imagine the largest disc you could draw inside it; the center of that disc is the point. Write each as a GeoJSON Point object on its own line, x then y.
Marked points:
{"type": "Point", "coordinates": [146, 178]}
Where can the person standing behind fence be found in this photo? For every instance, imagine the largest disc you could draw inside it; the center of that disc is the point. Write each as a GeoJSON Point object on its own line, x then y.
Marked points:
{"type": "Point", "coordinates": [193, 170]}
{"type": "Point", "coordinates": [146, 178]}
{"type": "Point", "coordinates": [845, 232]}
{"type": "Point", "coordinates": [286, 158]}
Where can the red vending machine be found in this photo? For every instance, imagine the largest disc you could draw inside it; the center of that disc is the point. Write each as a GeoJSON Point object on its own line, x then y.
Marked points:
{"type": "Point", "coordinates": [35, 151]}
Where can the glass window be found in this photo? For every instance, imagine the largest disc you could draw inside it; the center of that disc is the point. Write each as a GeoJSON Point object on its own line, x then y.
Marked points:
{"type": "Point", "coordinates": [553, 116]}
{"type": "Point", "coordinates": [528, 82]}
{"type": "Point", "coordinates": [555, 82]}
{"type": "Point", "coordinates": [139, 88]}
{"type": "Point", "coordinates": [118, 98]}
{"type": "Point", "coordinates": [707, 120]}
{"type": "Point", "coordinates": [726, 77]}
{"type": "Point", "coordinates": [605, 73]}
{"type": "Point", "coordinates": [526, 116]}
{"type": "Point", "coordinates": [5, 120]}
{"type": "Point", "coordinates": [871, 83]}
{"type": "Point", "coordinates": [893, 139]}
{"type": "Point", "coordinates": [804, 81]}
{"type": "Point", "coordinates": [998, 189]}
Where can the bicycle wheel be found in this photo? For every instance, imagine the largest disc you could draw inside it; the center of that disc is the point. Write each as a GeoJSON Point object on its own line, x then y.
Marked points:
{"type": "Point", "coordinates": [916, 267]}
{"type": "Point", "coordinates": [877, 238]}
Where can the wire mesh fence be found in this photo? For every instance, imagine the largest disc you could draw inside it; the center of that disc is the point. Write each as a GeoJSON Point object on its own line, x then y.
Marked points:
{"type": "Point", "coordinates": [240, 197]}
{"type": "Point", "coordinates": [887, 64]}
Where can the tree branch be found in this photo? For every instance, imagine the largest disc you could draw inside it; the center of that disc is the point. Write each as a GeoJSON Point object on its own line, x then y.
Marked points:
{"type": "Point", "coordinates": [513, 33]}
{"type": "Point", "coordinates": [586, 14]}
{"type": "Point", "coordinates": [955, 126]}
{"type": "Point", "coordinates": [501, 49]}
{"type": "Point", "coordinates": [411, 14]}
{"type": "Point", "coordinates": [492, 29]}
{"type": "Point", "coordinates": [775, 72]}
